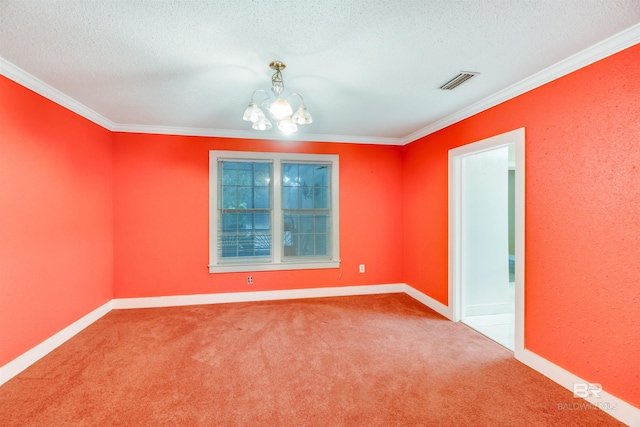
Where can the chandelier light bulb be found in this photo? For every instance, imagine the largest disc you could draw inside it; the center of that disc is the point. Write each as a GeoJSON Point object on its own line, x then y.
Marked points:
{"type": "Point", "coordinates": [263, 124]}
{"type": "Point", "coordinates": [253, 113]}
{"type": "Point", "coordinates": [302, 116]}
{"type": "Point", "coordinates": [287, 125]}
{"type": "Point", "coordinates": [280, 109]}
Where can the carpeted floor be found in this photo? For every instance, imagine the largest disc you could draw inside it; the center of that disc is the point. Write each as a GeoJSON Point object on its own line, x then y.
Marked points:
{"type": "Point", "coordinates": [379, 360]}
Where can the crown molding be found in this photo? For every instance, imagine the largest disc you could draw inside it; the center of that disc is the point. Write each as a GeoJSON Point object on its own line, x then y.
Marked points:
{"type": "Point", "coordinates": [18, 75]}
{"type": "Point", "coordinates": [248, 134]}
{"type": "Point", "coordinates": [33, 83]}
{"type": "Point", "coordinates": [601, 50]}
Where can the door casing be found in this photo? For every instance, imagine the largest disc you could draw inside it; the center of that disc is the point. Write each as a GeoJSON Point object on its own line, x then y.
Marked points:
{"type": "Point", "coordinates": [517, 137]}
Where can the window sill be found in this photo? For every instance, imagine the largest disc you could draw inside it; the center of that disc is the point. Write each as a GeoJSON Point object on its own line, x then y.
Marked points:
{"type": "Point", "coordinates": [306, 265]}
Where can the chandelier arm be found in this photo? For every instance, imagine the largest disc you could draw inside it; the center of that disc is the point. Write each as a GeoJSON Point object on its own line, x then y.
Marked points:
{"type": "Point", "coordinates": [263, 91]}
{"type": "Point", "coordinates": [300, 96]}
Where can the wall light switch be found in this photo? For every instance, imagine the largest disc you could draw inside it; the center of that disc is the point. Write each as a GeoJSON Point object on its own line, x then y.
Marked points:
{"type": "Point", "coordinates": [361, 268]}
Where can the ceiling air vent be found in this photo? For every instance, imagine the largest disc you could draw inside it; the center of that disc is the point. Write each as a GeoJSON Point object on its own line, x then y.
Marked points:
{"type": "Point", "coordinates": [458, 80]}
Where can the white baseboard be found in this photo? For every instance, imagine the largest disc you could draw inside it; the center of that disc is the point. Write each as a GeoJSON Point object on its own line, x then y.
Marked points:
{"type": "Point", "coordinates": [174, 301]}
{"type": "Point", "coordinates": [28, 358]}
{"type": "Point", "coordinates": [614, 406]}
{"type": "Point", "coordinates": [617, 408]}
{"type": "Point", "coordinates": [488, 309]}
{"type": "Point", "coordinates": [434, 305]}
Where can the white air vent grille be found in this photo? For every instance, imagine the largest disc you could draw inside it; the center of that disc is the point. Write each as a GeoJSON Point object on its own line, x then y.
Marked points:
{"type": "Point", "coordinates": [458, 80]}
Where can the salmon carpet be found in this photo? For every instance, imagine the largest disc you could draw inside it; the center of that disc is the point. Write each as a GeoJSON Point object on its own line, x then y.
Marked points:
{"type": "Point", "coordinates": [375, 360]}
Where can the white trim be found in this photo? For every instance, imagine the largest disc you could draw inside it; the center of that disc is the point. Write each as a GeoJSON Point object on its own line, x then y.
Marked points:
{"type": "Point", "coordinates": [231, 297]}
{"type": "Point", "coordinates": [252, 134]}
{"type": "Point", "coordinates": [623, 411]}
{"type": "Point", "coordinates": [519, 246]}
{"type": "Point", "coordinates": [517, 137]}
{"type": "Point", "coordinates": [601, 50]}
{"type": "Point", "coordinates": [485, 309]}
{"type": "Point", "coordinates": [281, 266]}
{"type": "Point", "coordinates": [36, 353]}
{"type": "Point", "coordinates": [33, 83]}
{"type": "Point", "coordinates": [431, 303]}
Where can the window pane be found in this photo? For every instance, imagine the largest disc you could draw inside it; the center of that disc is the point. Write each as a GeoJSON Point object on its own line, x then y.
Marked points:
{"type": "Point", "coordinates": [262, 220]}
{"type": "Point", "coordinates": [262, 174]}
{"type": "Point", "coordinates": [291, 223]}
{"type": "Point", "coordinates": [290, 197]}
{"type": "Point", "coordinates": [245, 198]}
{"type": "Point", "coordinates": [306, 245]}
{"type": "Point", "coordinates": [245, 245]}
{"type": "Point", "coordinates": [306, 201]}
{"type": "Point", "coordinates": [321, 198]}
{"type": "Point", "coordinates": [290, 175]}
{"type": "Point", "coordinates": [245, 173]}
{"type": "Point", "coordinates": [261, 199]}
{"type": "Point", "coordinates": [306, 224]}
{"type": "Point", "coordinates": [262, 234]}
{"type": "Point", "coordinates": [245, 221]}
{"type": "Point", "coordinates": [321, 244]}
{"type": "Point", "coordinates": [229, 173]}
{"type": "Point", "coordinates": [229, 222]}
{"type": "Point", "coordinates": [229, 197]}
{"type": "Point", "coordinates": [291, 249]}
{"type": "Point", "coordinates": [228, 245]}
{"type": "Point", "coordinates": [306, 174]}
{"type": "Point", "coordinates": [321, 176]}
{"type": "Point", "coordinates": [321, 222]}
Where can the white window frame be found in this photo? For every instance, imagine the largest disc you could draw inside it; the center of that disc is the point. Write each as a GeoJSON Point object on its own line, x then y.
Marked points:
{"type": "Point", "coordinates": [277, 261]}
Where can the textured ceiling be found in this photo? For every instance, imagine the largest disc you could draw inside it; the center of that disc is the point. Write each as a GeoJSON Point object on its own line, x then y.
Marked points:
{"type": "Point", "coordinates": [368, 70]}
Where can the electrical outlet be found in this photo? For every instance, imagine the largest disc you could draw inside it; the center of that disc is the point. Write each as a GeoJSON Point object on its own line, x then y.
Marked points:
{"type": "Point", "coordinates": [250, 280]}
{"type": "Point", "coordinates": [361, 268]}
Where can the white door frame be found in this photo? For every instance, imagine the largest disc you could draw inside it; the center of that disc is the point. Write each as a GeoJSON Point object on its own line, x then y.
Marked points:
{"type": "Point", "coordinates": [455, 166]}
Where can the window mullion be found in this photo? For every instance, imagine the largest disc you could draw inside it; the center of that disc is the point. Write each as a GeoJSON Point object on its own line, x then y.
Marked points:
{"type": "Point", "coordinates": [277, 212]}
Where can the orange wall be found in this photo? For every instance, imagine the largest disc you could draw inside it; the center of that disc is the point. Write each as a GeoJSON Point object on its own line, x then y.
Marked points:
{"type": "Point", "coordinates": [56, 225]}
{"type": "Point", "coordinates": [161, 217]}
{"type": "Point", "coordinates": [582, 219]}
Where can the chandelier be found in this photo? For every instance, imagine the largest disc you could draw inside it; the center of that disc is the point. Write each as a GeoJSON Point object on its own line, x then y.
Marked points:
{"type": "Point", "coordinates": [279, 108]}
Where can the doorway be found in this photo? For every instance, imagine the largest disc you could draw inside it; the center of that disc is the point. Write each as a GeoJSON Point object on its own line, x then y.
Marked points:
{"type": "Point", "coordinates": [486, 237]}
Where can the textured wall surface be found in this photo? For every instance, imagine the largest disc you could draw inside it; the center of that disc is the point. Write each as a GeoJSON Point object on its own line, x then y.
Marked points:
{"type": "Point", "coordinates": [56, 218]}
{"type": "Point", "coordinates": [582, 222]}
{"type": "Point", "coordinates": [161, 217]}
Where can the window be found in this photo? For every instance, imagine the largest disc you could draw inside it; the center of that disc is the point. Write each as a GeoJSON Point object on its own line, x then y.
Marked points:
{"type": "Point", "coordinates": [272, 211]}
